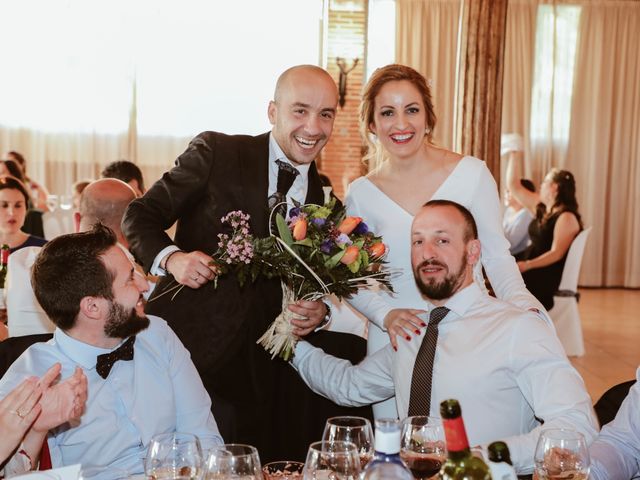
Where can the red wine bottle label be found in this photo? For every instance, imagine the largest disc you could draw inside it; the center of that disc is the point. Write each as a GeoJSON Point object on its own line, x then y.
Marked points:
{"type": "Point", "coordinates": [4, 256]}
{"type": "Point", "coordinates": [455, 434]}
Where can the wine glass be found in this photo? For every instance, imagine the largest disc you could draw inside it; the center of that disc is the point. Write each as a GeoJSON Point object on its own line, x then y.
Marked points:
{"type": "Point", "coordinates": [561, 454]}
{"type": "Point", "coordinates": [52, 202]}
{"type": "Point", "coordinates": [284, 470]}
{"type": "Point", "coordinates": [66, 202]}
{"type": "Point", "coordinates": [332, 460]}
{"type": "Point", "coordinates": [423, 447]}
{"type": "Point", "coordinates": [173, 456]}
{"type": "Point", "coordinates": [233, 460]}
{"type": "Point", "coordinates": [356, 430]}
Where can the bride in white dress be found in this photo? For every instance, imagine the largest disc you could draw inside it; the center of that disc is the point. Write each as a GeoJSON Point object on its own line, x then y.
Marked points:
{"type": "Point", "coordinates": [397, 109]}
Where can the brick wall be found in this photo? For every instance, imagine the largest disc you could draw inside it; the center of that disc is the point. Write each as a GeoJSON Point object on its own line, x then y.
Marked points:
{"type": "Point", "coordinates": [346, 38]}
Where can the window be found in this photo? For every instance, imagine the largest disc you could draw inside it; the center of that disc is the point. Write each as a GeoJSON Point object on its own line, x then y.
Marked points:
{"type": "Point", "coordinates": [556, 41]}
{"type": "Point", "coordinates": [74, 65]}
{"type": "Point", "coordinates": [381, 34]}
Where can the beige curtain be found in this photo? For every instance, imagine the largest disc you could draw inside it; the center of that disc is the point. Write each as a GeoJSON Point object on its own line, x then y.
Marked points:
{"type": "Point", "coordinates": [427, 40]}
{"type": "Point", "coordinates": [519, 54]}
{"type": "Point", "coordinates": [604, 146]}
{"type": "Point", "coordinates": [57, 160]}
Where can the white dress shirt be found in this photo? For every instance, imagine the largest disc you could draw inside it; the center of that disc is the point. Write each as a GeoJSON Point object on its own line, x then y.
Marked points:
{"type": "Point", "coordinates": [505, 366]}
{"type": "Point", "coordinates": [159, 391]}
{"type": "Point", "coordinates": [298, 192]}
{"type": "Point", "coordinates": [615, 455]}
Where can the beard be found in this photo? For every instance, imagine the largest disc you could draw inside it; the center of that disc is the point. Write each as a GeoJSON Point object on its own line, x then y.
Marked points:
{"type": "Point", "coordinates": [123, 323]}
{"type": "Point", "coordinates": [445, 288]}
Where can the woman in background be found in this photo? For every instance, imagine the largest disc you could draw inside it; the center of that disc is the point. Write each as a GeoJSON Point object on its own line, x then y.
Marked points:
{"type": "Point", "coordinates": [14, 200]}
{"type": "Point", "coordinates": [556, 224]}
{"type": "Point", "coordinates": [38, 192]}
{"type": "Point", "coordinates": [397, 121]}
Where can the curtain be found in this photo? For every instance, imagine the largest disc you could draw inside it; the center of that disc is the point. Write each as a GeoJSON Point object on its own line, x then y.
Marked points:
{"type": "Point", "coordinates": [427, 40]}
{"type": "Point", "coordinates": [604, 145]}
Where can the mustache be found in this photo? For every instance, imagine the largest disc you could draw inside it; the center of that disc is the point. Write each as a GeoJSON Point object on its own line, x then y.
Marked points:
{"type": "Point", "coordinates": [431, 263]}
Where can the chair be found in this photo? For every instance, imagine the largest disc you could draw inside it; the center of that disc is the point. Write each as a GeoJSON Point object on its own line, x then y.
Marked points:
{"type": "Point", "coordinates": [565, 314]}
{"type": "Point", "coordinates": [607, 407]}
{"type": "Point", "coordinates": [25, 315]}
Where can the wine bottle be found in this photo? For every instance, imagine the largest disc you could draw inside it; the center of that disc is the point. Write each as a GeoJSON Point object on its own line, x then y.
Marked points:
{"type": "Point", "coordinates": [500, 462]}
{"type": "Point", "coordinates": [4, 261]}
{"type": "Point", "coordinates": [386, 462]}
{"type": "Point", "coordinates": [460, 464]}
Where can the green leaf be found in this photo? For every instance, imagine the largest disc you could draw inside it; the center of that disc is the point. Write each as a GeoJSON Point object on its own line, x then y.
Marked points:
{"type": "Point", "coordinates": [333, 261]}
{"type": "Point", "coordinates": [354, 266]}
{"type": "Point", "coordinates": [307, 242]}
{"type": "Point", "coordinates": [283, 230]}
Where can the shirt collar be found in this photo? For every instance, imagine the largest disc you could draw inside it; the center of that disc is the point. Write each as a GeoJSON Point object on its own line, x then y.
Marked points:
{"type": "Point", "coordinates": [276, 153]}
{"type": "Point", "coordinates": [462, 300]}
{"type": "Point", "coordinates": [81, 353]}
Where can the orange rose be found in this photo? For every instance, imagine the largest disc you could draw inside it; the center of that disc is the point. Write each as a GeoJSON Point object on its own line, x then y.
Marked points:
{"type": "Point", "coordinates": [350, 255]}
{"type": "Point", "coordinates": [348, 224]}
{"type": "Point", "coordinates": [377, 250]}
{"type": "Point", "coordinates": [300, 230]}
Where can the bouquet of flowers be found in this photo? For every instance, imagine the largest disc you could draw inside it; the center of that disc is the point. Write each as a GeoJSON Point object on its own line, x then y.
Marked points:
{"type": "Point", "coordinates": [317, 252]}
{"type": "Point", "coordinates": [325, 252]}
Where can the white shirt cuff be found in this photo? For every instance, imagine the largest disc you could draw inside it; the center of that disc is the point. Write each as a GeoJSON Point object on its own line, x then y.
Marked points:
{"type": "Point", "coordinates": [155, 267]}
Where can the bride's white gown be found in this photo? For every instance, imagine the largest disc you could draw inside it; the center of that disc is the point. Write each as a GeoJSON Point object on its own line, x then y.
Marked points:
{"type": "Point", "coordinates": [469, 184]}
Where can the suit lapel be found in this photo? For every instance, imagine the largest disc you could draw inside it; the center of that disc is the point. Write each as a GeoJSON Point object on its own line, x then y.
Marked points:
{"type": "Point", "coordinates": [315, 194]}
{"type": "Point", "coordinates": [254, 176]}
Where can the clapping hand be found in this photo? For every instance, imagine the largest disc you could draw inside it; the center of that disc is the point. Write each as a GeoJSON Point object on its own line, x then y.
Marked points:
{"type": "Point", "coordinates": [18, 410]}
{"type": "Point", "coordinates": [62, 402]}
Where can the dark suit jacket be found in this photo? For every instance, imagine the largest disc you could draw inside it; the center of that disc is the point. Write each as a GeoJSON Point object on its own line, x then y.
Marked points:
{"type": "Point", "coordinates": [215, 175]}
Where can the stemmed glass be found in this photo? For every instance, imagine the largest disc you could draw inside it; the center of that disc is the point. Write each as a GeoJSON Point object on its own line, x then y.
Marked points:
{"type": "Point", "coordinates": [233, 460]}
{"type": "Point", "coordinates": [561, 454]}
{"type": "Point", "coordinates": [335, 460]}
{"type": "Point", "coordinates": [174, 456]}
{"type": "Point", "coordinates": [423, 446]}
{"type": "Point", "coordinates": [52, 202]}
{"type": "Point", "coordinates": [356, 430]}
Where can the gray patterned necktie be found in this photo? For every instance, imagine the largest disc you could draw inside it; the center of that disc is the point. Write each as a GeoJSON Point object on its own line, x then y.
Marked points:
{"type": "Point", "coordinates": [420, 398]}
{"type": "Point", "coordinates": [286, 176]}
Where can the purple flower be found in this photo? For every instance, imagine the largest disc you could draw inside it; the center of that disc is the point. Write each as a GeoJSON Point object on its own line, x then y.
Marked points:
{"type": "Point", "coordinates": [319, 222]}
{"type": "Point", "coordinates": [343, 239]}
{"type": "Point", "coordinates": [361, 229]}
{"type": "Point", "coordinates": [294, 212]}
{"type": "Point", "coordinates": [325, 247]}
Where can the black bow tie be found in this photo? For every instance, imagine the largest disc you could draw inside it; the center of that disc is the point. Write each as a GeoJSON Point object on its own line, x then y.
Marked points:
{"type": "Point", "coordinates": [106, 360]}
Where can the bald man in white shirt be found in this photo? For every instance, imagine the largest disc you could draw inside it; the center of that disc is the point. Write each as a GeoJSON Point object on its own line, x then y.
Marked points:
{"type": "Point", "coordinates": [505, 366]}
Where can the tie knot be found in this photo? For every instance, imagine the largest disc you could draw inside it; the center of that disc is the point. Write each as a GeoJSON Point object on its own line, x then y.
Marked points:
{"type": "Point", "coordinates": [106, 360]}
{"type": "Point", "coordinates": [437, 314]}
{"type": "Point", "coordinates": [286, 176]}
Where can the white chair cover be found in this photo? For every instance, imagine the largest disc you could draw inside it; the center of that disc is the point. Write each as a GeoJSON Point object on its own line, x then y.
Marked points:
{"type": "Point", "coordinates": [25, 315]}
{"type": "Point", "coordinates": [565, 314]}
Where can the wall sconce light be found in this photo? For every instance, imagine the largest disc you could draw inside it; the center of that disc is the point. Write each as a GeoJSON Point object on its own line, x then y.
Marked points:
{"type": "Point", "coordinates": [342, 83]}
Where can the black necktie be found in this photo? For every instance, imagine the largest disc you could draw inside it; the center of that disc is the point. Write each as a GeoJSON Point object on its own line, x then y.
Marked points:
{"type": "Point", "coordinates": [106, 360]}
{"type": "Point", "coordinates": [286, 176]}
{"type": "Point", "coordinates": [420, 399]}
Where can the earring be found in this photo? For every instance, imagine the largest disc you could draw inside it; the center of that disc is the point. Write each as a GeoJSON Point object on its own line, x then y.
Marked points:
{"type": "Point", "coordinates": [427, 131]}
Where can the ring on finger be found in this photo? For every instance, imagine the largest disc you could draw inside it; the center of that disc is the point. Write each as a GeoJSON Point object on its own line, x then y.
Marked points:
{"type": "Point", "coordinates": [18, 413]}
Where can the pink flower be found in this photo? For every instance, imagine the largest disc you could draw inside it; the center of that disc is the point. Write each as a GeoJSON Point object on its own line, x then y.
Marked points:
{"type": "Point", "coordinates": [348, 224]}
{"type": "Point", "coordinates": [300, 229]}
{"type": "Point", "coordinates": [350, 255]}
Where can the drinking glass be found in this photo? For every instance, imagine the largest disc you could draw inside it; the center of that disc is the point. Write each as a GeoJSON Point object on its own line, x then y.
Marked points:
{"type": "Point", "coordinates": [66, 202]}
{"type": "Point", "coordinates": [332, 460]}
{"type": "Point", "coordinates": [233, 460]}
{"type": "Point", "coordinates": [356, 430]}
{"type": "Point", "coordinates": [52, 202]}
{"type": "Point", "coordinates": [561, 454]}
{"type": "Point", "coordinates": [423, 446]}
{"type": "Point", "coordinates": [284, 470]}
{"type": "Point", "coordinates": [174, 456]}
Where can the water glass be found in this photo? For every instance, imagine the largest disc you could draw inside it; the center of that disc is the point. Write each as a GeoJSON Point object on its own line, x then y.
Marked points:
{"type": "Point", "coordinates": [561, 454]}
{"type": "Point", "coordinates": [423, 446]}
{"type": "Point", "coordinates": [356, 430]}
{"type": "Point", "coordinates": [231, 461]}
{"type": "Point", "coordinates": [173, 456]}
{"type": "Point", "coordinates": [332, 460]}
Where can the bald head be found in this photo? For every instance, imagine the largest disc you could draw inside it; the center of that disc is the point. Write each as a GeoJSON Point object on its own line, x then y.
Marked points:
{"type": "Point", "coordinates": [105, 201]}
{"type": "Point", "coordinates": [303, 73]}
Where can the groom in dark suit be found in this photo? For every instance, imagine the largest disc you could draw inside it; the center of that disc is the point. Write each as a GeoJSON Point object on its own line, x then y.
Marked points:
{"type": "Point", "coordinates": [255, 400]}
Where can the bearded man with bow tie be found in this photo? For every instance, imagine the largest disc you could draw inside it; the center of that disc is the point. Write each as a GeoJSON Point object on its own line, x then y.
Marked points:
{"type": "Point", "coordinates": [141, 381]}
